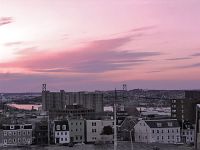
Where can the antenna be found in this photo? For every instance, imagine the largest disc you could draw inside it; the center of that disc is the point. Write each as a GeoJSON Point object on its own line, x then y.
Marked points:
{"type": "Point", "coordinates": [44, 87]}
{"type": "Point", "coordinates": [124, 87]}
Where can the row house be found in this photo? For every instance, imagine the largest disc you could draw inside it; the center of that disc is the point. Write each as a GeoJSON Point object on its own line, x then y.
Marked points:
{"type": "Point", "coordinates": [187, 133]}
{"type": "Point", "coordinates": [40, 133]}
{"type": "Point", "coordinates": [77, 130]}
{"type": "Point", "coordinates": [61, 132]}
{"type": "Point", "coordinates": [16, 134]}
{"type": "Point", "coordinates": [159, 131]}
{"type": "Point", "coordinates": [1, 137]}
{"type": "Point", "coordinates": [99, 131]}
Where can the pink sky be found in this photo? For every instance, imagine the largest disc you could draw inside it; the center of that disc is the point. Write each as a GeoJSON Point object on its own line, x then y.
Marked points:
{"type": "Point", "coordinates": [96, 45]}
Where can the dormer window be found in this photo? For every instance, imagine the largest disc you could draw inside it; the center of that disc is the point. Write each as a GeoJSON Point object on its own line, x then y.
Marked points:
{"type": "Point", "coordinates": [11, 127]}
{"type": "Point", "coordinates": [58, 127]}
{"type": "Point", "coordinates": [64, 127]}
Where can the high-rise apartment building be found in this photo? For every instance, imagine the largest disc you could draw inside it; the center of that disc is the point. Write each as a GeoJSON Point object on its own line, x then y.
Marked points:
{"type": "Point", "coordinates": [60, 100]}
{"type": "Point", "coordinates": [185, 109]}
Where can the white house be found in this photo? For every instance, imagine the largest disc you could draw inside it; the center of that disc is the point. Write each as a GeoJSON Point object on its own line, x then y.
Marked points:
{"type": "Point", "coordinates": [61, 132]}
{"type": "Point", "coordinates": [160, 131]}
{"type": "Point", "coordinates": [95, 128]}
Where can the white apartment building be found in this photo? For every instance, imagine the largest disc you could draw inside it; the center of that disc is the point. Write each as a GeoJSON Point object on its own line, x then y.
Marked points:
{"type": "Point", "coordinates": [17, 134]}
{"type": "Point", "coordinates": [188, 136]}
{"type": "Point", "coordinates": [160, 131]}
{"type": "Point", "coordinates": [61, 132]}
{"type": "Point", "coordinates": [94, 131]}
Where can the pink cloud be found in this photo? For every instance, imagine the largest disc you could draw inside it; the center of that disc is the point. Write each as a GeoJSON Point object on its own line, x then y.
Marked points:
{"type": "Point", "coordinates": [95, 56]}
{"type": "Point", "coordinates": [5, 20]}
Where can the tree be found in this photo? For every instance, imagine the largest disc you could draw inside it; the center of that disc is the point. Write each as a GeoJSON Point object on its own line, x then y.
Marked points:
{"type": "Point", "coordinates": [107, 130]}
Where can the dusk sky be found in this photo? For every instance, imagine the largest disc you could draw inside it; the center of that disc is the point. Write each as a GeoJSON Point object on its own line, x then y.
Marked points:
{"type": "Point", "coordinates": [99, 44]}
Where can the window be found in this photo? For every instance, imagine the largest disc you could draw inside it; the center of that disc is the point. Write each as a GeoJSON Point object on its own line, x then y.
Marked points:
{"type": "Point", "coordinates": [19, 133]}
{"type": "Point", "coordinates": [152, 131]}
{"type": "Point", "coordinates": [65, 139]}
{"type": "Point", "coordinates": [157, 131]}
{"type": "Point", "coordinates": [14, 140]}
{"type": "Point", "coordinates": [61, 139]}
{"type": "Point", "coordinates": [76, 137]}
{"type": "Point", "coordinates": [64, 127]}
{"type": "Point", "coordinates": [24, 132]}
{"type": "Point", "coordinates": [65, 133]}
{"type": "Point", "coordinates": [5, 133]}
{"type": "Point", "coordinates": [172, 131]}
{"type": "Point", "coordinates": [168, 130]}
{"type": "Point", "coordinates": [12, 127]}
{"type": "Point", "coordinates": [80, 137]}
{"type": "Point", "coordinates": [162, 131]}
{"type": "Point", "coordinates": [76, 123]}
{"type": "Point", "coordinates": [9, 133]}
{"type": "Point", "coordinates": [93, 123]}
{"type": "Point", "coordinates": [94, 130]}
{"type": "Point", "coordinates": [157, 137]}
{"type": "Point", "coordinates": [57, 133]}
{"type": "Point", "coordinates": [61, 133]}
{"type": "Point", "coordinates": [177, 130]}
{"type": "Point", "coordinates": [58, 127]}
{"type": "Point", "coordinates": [19, 140]}
{"type": "Point", "coordinates": [168, 137]}
{"type": "Point", "coordinates": [162, 137]}
{"type": "Point", "coordinates": [5, 141]}
{"type": "Point", "coordinates": [80, 123]}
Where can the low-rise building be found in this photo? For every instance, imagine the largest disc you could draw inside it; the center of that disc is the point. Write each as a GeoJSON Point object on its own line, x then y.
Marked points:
{"type": "Point", "coordinates": [99, 131]}
{"type": "Point", "coordinates": [41, 133]}
{"type": "Point", "coordinates": [197, 127]}
{"type": "Point", "coordinates": [61, 132]}
{"type": "Point", "coordinates": [1, 137]}
{"type": "Point", "coordinates": [187, 133]}
{"type": "Point", "coordinates": [17, 134]}
{"type": "Point", "coordinates": [77, 130]}
{"type": "Point", "coordinates": [160, 131]}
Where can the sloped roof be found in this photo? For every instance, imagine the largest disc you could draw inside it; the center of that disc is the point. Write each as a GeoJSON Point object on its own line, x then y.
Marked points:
{"type": "Point", "coordinates": [165, 123]}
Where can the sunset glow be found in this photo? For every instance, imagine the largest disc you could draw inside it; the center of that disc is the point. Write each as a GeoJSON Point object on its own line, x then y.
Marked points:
{"type": "Point", "coordinates": [99, 44]}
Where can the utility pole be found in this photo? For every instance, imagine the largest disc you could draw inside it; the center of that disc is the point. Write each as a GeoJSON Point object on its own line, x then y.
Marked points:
{"type": "Point", "coordinates": [115, 122]}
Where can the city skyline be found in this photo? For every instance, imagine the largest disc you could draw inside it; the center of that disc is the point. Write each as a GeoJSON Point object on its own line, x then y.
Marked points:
{"type": "Point", "coordinates": [99, 45]}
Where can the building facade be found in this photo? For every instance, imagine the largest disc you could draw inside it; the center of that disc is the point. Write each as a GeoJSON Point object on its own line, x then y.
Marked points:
{"type": "Point", "coordinates": [41, 133]}
{"type": "Point", "coordinates": [17, 135]}
{"type": "Point", "coordinates": [159, 131]}
{"type": "Point", "coordinates": [61, 132]}
{"type": "Point", "coordinates": [187, 133]}
{"type": "Point", "coordinates": [77, 130]}
{"type": "Point", "coordinates": [59, 100]}
{"type": "Point", "coordinates": [185, 109]}
{"type": "Point", "coordinates": [95, 129]}
{"type": "Point", "coordinates": [1, 137]}
{"type": "Point", "coordinates": [197, 127]}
